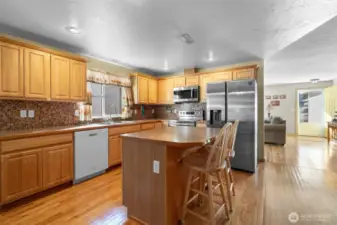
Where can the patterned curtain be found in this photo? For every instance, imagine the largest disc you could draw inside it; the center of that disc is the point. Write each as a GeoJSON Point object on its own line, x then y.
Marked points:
{"type": "Point", "coordinates": [100, 77]}
{"type": "Point", "coordinates": [127, 102]}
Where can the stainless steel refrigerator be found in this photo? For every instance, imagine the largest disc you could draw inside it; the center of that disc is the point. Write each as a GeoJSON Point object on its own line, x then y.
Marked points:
{"type": "Point", "coordinates": [236, 100]}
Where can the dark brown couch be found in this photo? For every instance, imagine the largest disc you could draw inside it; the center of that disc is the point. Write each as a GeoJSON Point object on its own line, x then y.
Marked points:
{"type": "Point", "coordinates": [275, 131]}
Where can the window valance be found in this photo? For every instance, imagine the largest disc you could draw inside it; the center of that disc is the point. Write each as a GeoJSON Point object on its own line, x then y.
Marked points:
{"type": "Point", "coordinates": [101, 77]}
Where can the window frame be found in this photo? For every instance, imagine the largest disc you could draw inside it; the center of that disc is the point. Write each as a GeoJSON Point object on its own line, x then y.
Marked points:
{"type": "Point", "coordinates": [103, 97]}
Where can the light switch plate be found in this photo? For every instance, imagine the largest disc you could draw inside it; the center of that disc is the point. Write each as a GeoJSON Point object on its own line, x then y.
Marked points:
{"type": "Point", "coordinates": [23, 113]}
{"type": "Point", "coordinates": [31, 113]}
{"type": "Point", "coordinates": [156, 167]}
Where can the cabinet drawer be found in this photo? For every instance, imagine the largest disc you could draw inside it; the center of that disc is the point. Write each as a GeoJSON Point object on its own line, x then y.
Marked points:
{"type": "Point", "coordinates": [124, 130]}
{"type": "Point", "coordinates": [147, 126]}
{"type": "Point", "coordinates": [158, 125]}
{"type": "Point", "coordinates": [35, 142]}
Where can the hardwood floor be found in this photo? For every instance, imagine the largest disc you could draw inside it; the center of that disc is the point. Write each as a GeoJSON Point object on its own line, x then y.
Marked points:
{"type": "Point", "coordinates": [299, 177]}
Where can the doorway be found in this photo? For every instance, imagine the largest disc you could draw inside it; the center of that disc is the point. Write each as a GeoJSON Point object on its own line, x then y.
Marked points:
{"type": "Point", "coordinates": [310, 112]}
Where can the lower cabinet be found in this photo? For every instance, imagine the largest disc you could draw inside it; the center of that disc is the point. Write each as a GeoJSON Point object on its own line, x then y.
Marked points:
{"type": "Point", "coordinates": [115, 150]}
{"type": "Point", "coordinates": [57, 165]}
{"type": "Point", "coordinates": [21, 174]}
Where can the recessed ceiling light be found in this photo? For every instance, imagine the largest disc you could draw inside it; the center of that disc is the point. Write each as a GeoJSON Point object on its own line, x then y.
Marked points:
{"type": "Point", "coordinates": [73, 30]}
{"type": "Point", "coordinates": [165, 65]}
{"type": "Point", "coordinates": [210, 56]}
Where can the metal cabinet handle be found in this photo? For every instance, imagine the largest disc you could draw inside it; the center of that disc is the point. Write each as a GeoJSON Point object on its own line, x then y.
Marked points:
{"type": "Point", "coordinates": [93, 134]}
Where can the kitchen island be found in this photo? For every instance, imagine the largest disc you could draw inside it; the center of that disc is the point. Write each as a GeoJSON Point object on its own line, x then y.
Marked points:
{"type": "Point", "coordinates": [153, 179]}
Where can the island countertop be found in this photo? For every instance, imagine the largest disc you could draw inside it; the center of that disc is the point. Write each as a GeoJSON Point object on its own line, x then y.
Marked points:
{"type": "Point", "coordinates": [176, 135]}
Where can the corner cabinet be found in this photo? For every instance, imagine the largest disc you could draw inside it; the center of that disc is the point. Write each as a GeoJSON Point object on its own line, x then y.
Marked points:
{"type": "Point", "coordinates": [11, 71]}
{"type": "Point", "coordinates": [37, 74]}
{"type": "Point", "coordinates": [78, 80]}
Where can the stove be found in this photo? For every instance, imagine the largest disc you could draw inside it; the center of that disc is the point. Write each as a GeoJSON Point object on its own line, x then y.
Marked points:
{"type": "Point", "coordinates": [187, 118]}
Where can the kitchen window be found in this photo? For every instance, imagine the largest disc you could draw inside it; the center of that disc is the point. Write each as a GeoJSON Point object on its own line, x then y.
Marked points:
{"type": "Point", "coordinates": [106, 100]}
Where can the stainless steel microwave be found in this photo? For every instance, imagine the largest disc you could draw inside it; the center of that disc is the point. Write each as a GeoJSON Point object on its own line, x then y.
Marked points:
{"type": "Point", "coordinates": [186, 94]}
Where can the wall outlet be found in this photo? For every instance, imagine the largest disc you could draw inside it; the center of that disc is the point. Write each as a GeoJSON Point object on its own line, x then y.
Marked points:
{"type": "Point", "coordinates": [152, 111]}
{"type": "Point", "coordinates": [156, 166]}
{"type": "Point", "coordinates": [23, 113]}
{"type": "Point", "coordinates": [31, 113]}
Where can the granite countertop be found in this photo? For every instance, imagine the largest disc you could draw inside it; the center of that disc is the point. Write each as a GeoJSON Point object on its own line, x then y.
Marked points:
{"type": "Point", "coordinates": [176, 135]}
{"type": "Point", "coordinates": [64, 129]}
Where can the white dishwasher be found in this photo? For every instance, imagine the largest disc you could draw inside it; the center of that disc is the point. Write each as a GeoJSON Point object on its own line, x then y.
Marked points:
{"type": "Point", "coordinates": [91, 154]}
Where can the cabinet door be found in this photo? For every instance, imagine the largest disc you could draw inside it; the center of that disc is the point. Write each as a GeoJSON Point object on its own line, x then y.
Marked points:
{"type": "Point", "coordinates": [162, 91]}
{"type": "Point", "coordinates": [37, 74]}
{"type": "Point", "coordinates": [192, 80]}
{"type": "Point", "coordinates": [179, 82]}
{"type": "Point", "coordinates": [244, 74]}
{"type": "Point", "coordinates": [115, 150]}
{"type": "Point", "coordinates": [153, 93]}
{"type": "Point", "coordinates": [222, 76]}
{"type": "Point", "coordinates": [169, 91]}
{"type": "Point", "coordinates": [143, 89]}
{"type": "Point", "coordinates": [21, 174]}
{"type": "Point", "coordinates": [11, 70]}
{"type": "Point", "coordinates": [78, 80]}
{"type": "Point", "coordinates": [60, 78]}
{"type": "Point", "coordinates": [204, 79]}
{"type": "Point", "coordinates": [57, 165]}
{"type": "Point", "coordinates": [158, 125]}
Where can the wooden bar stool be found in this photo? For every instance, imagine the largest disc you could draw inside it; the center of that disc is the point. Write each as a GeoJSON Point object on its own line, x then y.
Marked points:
{"type": "Point", "coordinates": [228, 174]}
{"type": "Point", "coordinates": [208, 164]}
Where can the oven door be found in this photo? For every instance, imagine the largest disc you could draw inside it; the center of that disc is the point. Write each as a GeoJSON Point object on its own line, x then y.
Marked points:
{"type": "Point", "coordinates": [186, 94]}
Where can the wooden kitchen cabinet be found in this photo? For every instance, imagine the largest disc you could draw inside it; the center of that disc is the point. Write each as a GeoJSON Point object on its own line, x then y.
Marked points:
{"type": "Point", "coordinates": [244, 74]}
{"type": "Point", "coordinates": [58, 164]}
{"type": "Point", "coordinates": [60, 78]}
{"type": "Point", "coordinates": [21, 174]}
{"type": "Point", "coordinates": [179, 82]}
{"type": "Point", "coordinates": [37, 74]}
{"type": "Point", "coordinates": [158, 125]}
{"type": "Point", "coordinates": [204, 79]}
{"type": "Point", "coordinates": [165, 91]}
{"type": "Point", "coordinates": [153, 90]}
{"type": "Point", "coordinates": [11, 71]}
{"type": "Point", "coordinates": [192, 80]}
{"type": "Point", "coordinates": [78, 80]}
{"type": "Point", "coordinates": [222, 76]}
{"type": "Point", "coordinates": [143, 89]}
{"type": "Point", "coordinates": [115, 150]}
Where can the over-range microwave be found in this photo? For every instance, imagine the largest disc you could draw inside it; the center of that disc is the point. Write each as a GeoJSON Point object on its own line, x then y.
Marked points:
{"type": "Point", "coordinates": [186, 94]}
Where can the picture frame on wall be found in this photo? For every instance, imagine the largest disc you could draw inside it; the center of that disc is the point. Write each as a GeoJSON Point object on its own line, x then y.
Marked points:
{"type": "Point", "coordinates": [275, 103]}
{"type": "Point", "coordinates": [267, 97]}
{"type": "Point", "coordinates": [283, 96]}
{"type": "Point", "coordinates": [275, 97]}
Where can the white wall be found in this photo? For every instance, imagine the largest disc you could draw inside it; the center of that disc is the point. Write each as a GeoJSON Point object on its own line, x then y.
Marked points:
{"type": "Point", "coordinates": [287, 110]}
{"type": "Point", "coordinates": [335, 82]}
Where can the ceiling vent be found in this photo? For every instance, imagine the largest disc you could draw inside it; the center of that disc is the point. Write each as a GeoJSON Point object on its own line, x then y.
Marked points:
{"type": "Point", "coordinates": [187, 39]}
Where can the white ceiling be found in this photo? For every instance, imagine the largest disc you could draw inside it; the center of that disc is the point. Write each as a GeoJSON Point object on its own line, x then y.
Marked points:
{"type": "Point", "coordinates": [294, 37]}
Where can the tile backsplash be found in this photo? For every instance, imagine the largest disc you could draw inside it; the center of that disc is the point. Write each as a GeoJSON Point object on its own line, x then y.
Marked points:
{"type": "Point", "coordinates": [46, 114]}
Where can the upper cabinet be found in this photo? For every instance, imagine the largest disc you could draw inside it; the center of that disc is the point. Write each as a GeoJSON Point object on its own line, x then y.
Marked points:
{"type": "Point", "coordinates": [179, 82]}
{"type": "Point", "coordinates": [140, 87]}
{"type": "Point", "coordinates": [29, 71]}
{"type": "Point", "coordinates": [60, 78]}
{"type": "Point", "coordinates": [243, 74]}
{"type": "Point", "coordinates": [11, 71]}
{"type": "Point", "coordinates": [153, 91]}
{"type": "Point", "coordinates": [37, 74]}
{"type": "Point", "coordinates": [192, 80]}
{"type": "Point", "coordinates": [165, 91]}
{"type": "Point", "coordinates": [78, 78]}
{"type": "Point", "coordinates": [222, 76]}
{"type": "Point", "coordinates": [204, 79]}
